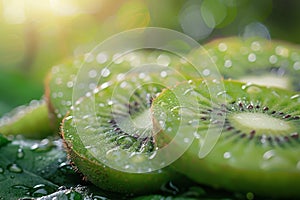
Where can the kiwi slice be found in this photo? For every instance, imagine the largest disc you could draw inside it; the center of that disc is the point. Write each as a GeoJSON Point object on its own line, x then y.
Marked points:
{"type": "Point", "coordinates": [29, 120]}
{"type": "Point", "coordinates": [257, 60]}
{"type": "Point", "coordinates": [109, 131]}
{"type": "Point", "coordinates": [110, 137]}
{"type": "Point", "coordinates": [258, 149]}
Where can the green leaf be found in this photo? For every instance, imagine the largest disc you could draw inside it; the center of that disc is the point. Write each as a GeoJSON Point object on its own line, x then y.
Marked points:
{"type": "Point", "coordinates": [30, 168]}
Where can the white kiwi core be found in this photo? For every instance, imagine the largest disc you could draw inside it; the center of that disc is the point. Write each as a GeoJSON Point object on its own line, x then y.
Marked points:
{"type": "Point", "coordinates": [268, 80]}
{"type": "Point", "coordinates": [260, 122]}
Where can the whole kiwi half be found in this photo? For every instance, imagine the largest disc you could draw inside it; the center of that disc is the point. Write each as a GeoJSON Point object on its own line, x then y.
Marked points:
{"type": "Point", "coordinates": [258, 150]}
{"type": "Point", "coordinates": [257, 60]}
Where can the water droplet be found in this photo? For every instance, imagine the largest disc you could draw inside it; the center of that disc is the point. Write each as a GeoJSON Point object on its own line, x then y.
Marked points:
{"type": "Point", "coordinates": [251, 57]}
{"type": "Point", "coordinates": [102, 58]}
{"type": "Point", "coordinates": [163, 60]}
{"type": "Point", "coordinates": [228, 63]}
{"type": "Point", "coordinates": [123, 84]}
{"type": "Point", "coordinates": [142, 75]}
{"type": "Point", "coordinates": [66, 167]}
{"type": "Point", "coordinates": [126, 166]}
{"type": "Point", "coordinates": [296, 65]}
{"type": "Point", "coordinates": [105, 72]}
{"type": "Point", "coordinates": [295, 96]}
{"type": "Point", "coordinates": [253, 89]}
{"type": "Point", "coordinates": [186, 140]}
{"type": "Point", "coordinates": [40, 190]}
{"type": "Point", "coordinates": [222, 47]}
{"type": "Point", "coordinates": [14, 168]}
{"type": "Point", "coordinates": [88, 94]}
{"type": "Point", "coordinates": [110, 102]}
{"type": "Point", "coordinates": [105, 85]}
{"type": "Point", "coordinates": [92, 73]}
{"type": "Point", "coordinates": [20, 153]}
{"type": "Point", "coordinates": [250, 88]}
{"type": "Point", "coordinates": [273, 59]}
{"type": "Point", "coordinates": [96, 90]}
{"type": "Point", "coordinates": [44, 145]}
{"type": "Point", "coordinates": [255, 46]}
{"type": "Point", "coordinates": [206, 72]}
{"type": "Point", "coordinates": [70, 84]}
{"type": "Point", "coordinates": [268, 155]}
{"type": "Point", "coordinates": [120, 77]}
{"type": "Point", "coordinates": [60, 94]}
{"type": "Point", "coordinates": [282, 51]}
{"type": "Point", "coordinates": [1, 170]}
{"type": "Point", "coordinates": [163, 74]}
{"type": "Point", "coordinates": [227, 155]}
{"type": "Point", "coordinates": [196, 135]}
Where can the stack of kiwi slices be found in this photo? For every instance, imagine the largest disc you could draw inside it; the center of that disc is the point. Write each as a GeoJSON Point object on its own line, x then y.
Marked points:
{"type": "Point", "coordinates": [147, 120]}
{"type": "Point", "coordinates": [255, 121]}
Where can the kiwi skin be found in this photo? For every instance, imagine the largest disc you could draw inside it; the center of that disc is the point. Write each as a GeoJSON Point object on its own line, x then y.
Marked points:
{"type": "Point", "coordinates": [246, 170]}
{"type": "Point", "coordinates": [110, 179]}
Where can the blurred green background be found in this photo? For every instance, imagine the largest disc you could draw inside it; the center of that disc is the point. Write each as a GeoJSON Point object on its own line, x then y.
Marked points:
{"type": "Point", "coordinates": [35, 35]}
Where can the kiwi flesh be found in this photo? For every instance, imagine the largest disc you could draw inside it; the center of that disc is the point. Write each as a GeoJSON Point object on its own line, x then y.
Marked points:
{"type": "Point", "coordinates": [118, 131]}
{"type": "Point", "coordinates": [29, 120]}
{"type": "Point", "coordinates": [258, 150]}
{"type": "Point", "coordinates": [257, 60]}
{"type": "Point", "coordinates": [59, 84]}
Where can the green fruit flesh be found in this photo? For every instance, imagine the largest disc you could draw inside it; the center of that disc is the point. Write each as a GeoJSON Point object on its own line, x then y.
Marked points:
{"type": "Point", "coordinates": [257, 60]}
{"type": "Point", "coordinates": [258, 149]}
{"type": "Point", "coordinates": [30, 120]}
{"type": "Point", "coordinates": [105, 67]}
{"type": "Point", "coordinates": [108, 178]}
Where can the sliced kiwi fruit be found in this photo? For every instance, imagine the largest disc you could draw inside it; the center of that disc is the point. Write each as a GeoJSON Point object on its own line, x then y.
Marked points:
{"type": "Point", "coordinates": [109, 131]}
{"type": "Point", "coordinates": [257, 60]}
{"type": "Point", "coordinates": [110, 135]}
{"type": "Point", "coordinates": [29, 120]}
{"type": "Point", "coordinates": [258, 149]}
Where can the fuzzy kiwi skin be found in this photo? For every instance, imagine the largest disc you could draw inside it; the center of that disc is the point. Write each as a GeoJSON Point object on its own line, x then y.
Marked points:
{"type": "Point", "coordinates": [249, 168]}
{"type": "Point", "coordinates": [110, 179]}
